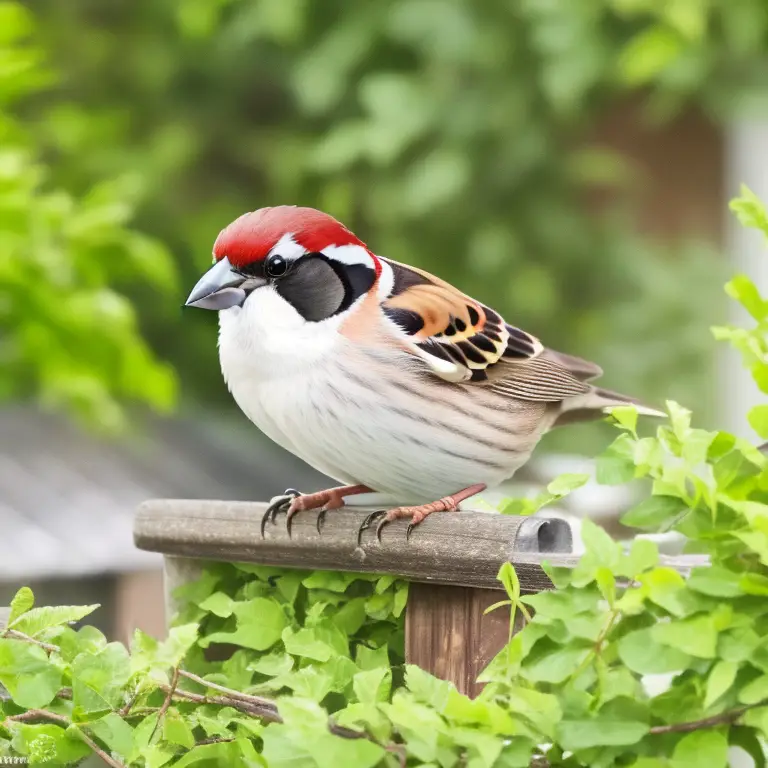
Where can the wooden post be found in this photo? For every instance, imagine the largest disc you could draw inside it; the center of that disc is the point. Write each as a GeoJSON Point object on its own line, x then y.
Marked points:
{"type": "Point", "coordinates": [448, 633]}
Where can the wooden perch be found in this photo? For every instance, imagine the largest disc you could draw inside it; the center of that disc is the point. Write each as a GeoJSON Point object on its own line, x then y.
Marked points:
{"type": "Point", "coordinates": [465, 548]}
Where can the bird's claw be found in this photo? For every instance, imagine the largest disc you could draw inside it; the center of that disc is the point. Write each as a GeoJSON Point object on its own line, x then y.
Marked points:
{"type": "Point", "coordinates": [321, 518]}
{"type": "Point", "coordinates": [367, 524]}
{"type": "Point", "coordinates": [277, 505]}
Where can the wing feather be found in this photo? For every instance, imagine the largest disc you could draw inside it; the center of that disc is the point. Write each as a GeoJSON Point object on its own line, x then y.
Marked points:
{"type": "Point", "coordinates": [458, 336]}
{"type": "Point", "coordinates": [463, 340]}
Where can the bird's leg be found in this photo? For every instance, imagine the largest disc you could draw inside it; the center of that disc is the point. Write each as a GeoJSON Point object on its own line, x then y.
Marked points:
{"type": "Point", "coordinates": [293, 502]}
{"type": "Point", "coordinates": [418, 513]}
{"type": "Point", "coordinates": [333, 498]}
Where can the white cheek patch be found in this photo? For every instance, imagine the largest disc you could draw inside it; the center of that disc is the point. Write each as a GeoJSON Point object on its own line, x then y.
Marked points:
{"type": "Point", "coordinates": [386, 281]}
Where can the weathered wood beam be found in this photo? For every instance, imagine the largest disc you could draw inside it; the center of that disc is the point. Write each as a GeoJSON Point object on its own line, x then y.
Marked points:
{"type": "Point", "coordinates": [464, 549]}
{"type": "Point", "coordinates": [448, 633]}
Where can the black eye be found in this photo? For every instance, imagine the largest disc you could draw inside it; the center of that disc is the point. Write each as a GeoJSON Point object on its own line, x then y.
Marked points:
{"type": "Point", "coordinates": [276, 266]}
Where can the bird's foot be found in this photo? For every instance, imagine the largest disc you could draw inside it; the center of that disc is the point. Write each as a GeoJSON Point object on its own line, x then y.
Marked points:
{"type": "Point", "coordinates": [278, 504]}
{"type": "Point", "coordinates": [417, 513]}
{"type": "Point", "coordinates": [292, 502]}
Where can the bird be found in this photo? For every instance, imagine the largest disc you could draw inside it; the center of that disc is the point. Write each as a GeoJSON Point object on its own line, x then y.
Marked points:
{"type": "Point", "coordinates": [409, 393]}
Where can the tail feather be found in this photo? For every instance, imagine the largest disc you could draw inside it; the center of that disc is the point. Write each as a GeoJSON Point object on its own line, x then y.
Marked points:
{"type": "Point", "coordinates": [597, 403]}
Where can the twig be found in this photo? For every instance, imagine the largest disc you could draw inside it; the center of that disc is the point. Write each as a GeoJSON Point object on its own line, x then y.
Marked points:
{"type": "Point", "coordinates": [97, 750]}
{"type": "Point", "coordinates": [167, 702]}
{"type": "Point", "coordinates": [34, 715]}
{"type": "Point", "coordinates": [228, 691]}
{"type": "Point", "coordinates": [14, 633]}
{"type": "Point", "coordinates": [399, 752]}
{"type": "Point", "coordinates": [266, 712]}
{"type": "Point", "coordinates": [213, 740]}
{"type": "Point", "coordinates": [257, 706]}
{"type": "Point", "coordinates": [724, 718]}
{"type": "Point", "coordinates": [126, 708]}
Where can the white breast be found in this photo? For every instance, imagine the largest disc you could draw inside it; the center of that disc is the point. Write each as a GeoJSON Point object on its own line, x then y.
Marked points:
{"type": "Point", "coordinates": [357, 415]}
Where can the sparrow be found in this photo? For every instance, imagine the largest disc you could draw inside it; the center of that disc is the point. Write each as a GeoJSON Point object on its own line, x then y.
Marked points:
{"type": "Point", "coordinates": [391, 381]}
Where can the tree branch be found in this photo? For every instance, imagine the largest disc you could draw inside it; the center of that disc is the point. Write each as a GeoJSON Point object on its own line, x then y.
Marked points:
{"type": "Point", "coordinates": [16, 635]}
{"type": "Point", "coordinates": [167, 702]}
{"type": "Point", "coordinates": [37, 715]}
{"type": "Point", "coordinates": [228, 691]}
{"type": "Point", "coordinates": [724, 718]}
{"type": "Point", "coordinates": [97, 750]}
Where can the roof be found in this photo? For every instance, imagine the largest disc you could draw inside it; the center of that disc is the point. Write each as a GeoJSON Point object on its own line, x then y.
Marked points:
{"type": "Point", "coordinates": [67, 497]}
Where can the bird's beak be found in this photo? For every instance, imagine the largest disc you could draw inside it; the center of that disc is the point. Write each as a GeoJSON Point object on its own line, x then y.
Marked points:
{"type": "Point", "coordinates": [219, 288]}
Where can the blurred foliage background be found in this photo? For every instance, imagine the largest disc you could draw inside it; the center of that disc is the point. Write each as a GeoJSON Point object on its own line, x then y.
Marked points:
{"type": "Point", "coordinates": [450, 134]}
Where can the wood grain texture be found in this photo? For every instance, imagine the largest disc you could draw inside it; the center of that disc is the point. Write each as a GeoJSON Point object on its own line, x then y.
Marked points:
{"type": "Point", "coordinates": [447, 634]}
{"type": "Point", "coordinates": [465, 548]}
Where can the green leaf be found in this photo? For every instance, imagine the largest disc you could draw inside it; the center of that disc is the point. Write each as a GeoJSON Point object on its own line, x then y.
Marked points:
{"type": "Point", "coordinates": [719, 681]}
{"type": "Point", "coordinates": [176, 730]}
{"type": "Point", "coordinates": [680, 419]}
{"type": "Point", "coordinates": [599, 544]}
{"type": "Point", "coordinates": [35, 621]}
{"type": "Point", "coordinates": [372, 658]}
{"type": "Point", "coordinates": [583, 734]}
{"type": "Point", "coordinates": [641, 652]}
{"type": "Point", "coordinates": [273, 664]}
{"type": "Point", "coordinates": [701, 748]}
{"type": "Point", "coordinates": [351, 616]}
{"type": "Point", "coordinates": [750, 210]}
{"type": "Point", "coordinates": [508, 577]}
{"type": "Point", "coordinates": [616, 465]}
{"type": "Point", "coordinates": [219, 604]}
{"type": "Point", "coordinates": [313, 682]}
{"type": "Point", "coordinates": [553, 666]}
{"type": "Point", "coordinates": [224, 753]}
{"type": "Point", "coordinates": [373, 685]}
{"type": "Point", "coordinates": [175, 647]}
{"type": "Point", "coordinates": [320, 642]}
{"type": "Point", "coordinates": [401, 598]}
{"type": "Point", "coordinates": [754, 584]}
{"type": "Point", "coordinates": [426, 688]}
{"type": "Point", "coordinates": [716, 581]}
{"type": "Point", "coordinates": [113, 731]}
{"type": "Point", "coordinates": [755, 691]}
{"type": "Point", "coordinates": [643, 555]}
{"type": "Point", "coordinates": [30, 677]}
{"type": "Point", "coordinates": [331, 751]}
{"type": "Point", "coordinates": [260, 623]}
{"type": "Point", "coordinates": [744, 291]}
{"type": "Point", "coordinates": [282, 749]}
{"type": "Point", "coordinates": [626, 416]}
{"type": "Point", "coordinates": [567, 483]}
{"type": "Point", "coordinates": [696, 636]}
{"type": "Point", "coordinates": [483, 749]}
{"type": "Point", "coordinates": [758, 419]}
{"type": "Point", "coordinates": [333, 581]}
{"type": "Point", "coordinates": [98, 679]}
{"type": "Point", "coordinates": [655, 512]}
{"type": "Point", "coordinates": [22, 601]}
{"type": "Point", "coordinates": [606, 583]}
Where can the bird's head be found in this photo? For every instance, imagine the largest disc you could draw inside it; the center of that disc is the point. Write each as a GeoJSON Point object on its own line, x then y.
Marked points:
{"type": "Point", "coordinates": [311, 260]}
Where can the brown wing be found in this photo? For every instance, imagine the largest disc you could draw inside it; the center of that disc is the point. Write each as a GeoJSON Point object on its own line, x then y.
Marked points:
{"type": "Point", "coordinates": [463, 340]}
{"type": "Point", "coordinates": [458, 336]}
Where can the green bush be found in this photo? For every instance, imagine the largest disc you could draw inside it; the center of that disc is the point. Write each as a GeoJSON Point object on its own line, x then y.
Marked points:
{"type": "Point", "coordinates": [450, 134]}
{"type": "Point", "coordinates": [69, 337]}
{"type": "Point", "coordinates": [314, 675]}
